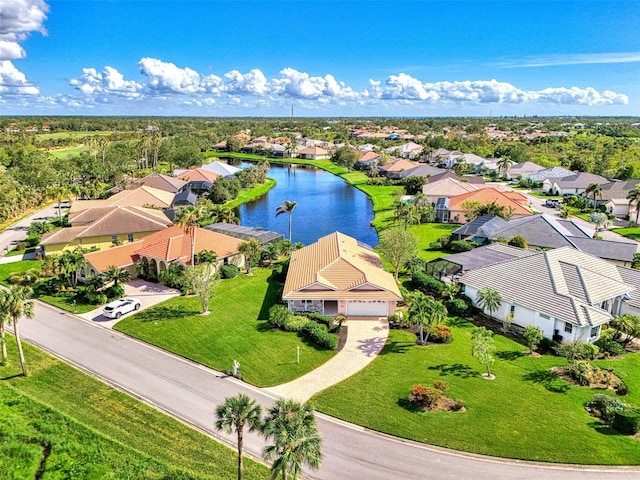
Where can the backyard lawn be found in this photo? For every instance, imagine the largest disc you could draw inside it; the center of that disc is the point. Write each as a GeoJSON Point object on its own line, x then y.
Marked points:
{"type": "Point", "coordinates": [60, 423]}
{"type": "Point", "coordinates": [526, 413]}
{"type": "Point", "coordinates": [234, 330]}
{"type": "Point", "coordinates": [629, 232]}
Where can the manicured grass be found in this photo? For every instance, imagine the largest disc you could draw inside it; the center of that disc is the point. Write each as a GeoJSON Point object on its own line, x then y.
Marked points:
{"type": "Point", "coordinates": [234, 330]}
{"type": "Point", "coordinates": [73, 426]}
{"type": "Point", "coordinates": [629, 232]}
{"type": "Point", "coordinates": [431, 232]}
{"type": "Point", "coordinates": [68, 152]}
{"type": "Point", "coordinates": [245, 196]}
{"type": "Point", "coordinates": [21, 266]}
{"type": "Point", "coordinates": [525, 413]}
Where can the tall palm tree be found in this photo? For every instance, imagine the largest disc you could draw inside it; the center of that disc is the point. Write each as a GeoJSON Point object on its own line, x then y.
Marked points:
{"type": "Point", "coordinates": [234, 414]}
{"type": "Point", "coordinates": [18, 305]}
{"type": "Point", "coordinates": [116, 275]}
{"type": "Point", "coordinates": [634, 198]}
{"type": "Point", "coordinates": [287, 207]}
{"type": "Point", "coordinates": [503, 165]}
{"type": "Point", "coordinates": [296, 440]}
{"type": "Point", "coordinates": [189, 218]}
{"type": "Point", "coordinates": [489, 299]}
{"type": "Point", "coordinates": [59, 193]}
{"type": "Point", "coordinates": [425, 310]}
{"type": "Point", "coordinates": [4, 319]}
{"type": "Point", "coordinates": [595, 190]}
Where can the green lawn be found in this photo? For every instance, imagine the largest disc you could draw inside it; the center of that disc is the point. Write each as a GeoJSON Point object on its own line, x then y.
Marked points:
{"type": "Point", "coordinates": [234, 330]}
{"type": "Point", "coordinates": [430, 232]}
{"type": "Point", "coordinates": [67, 152]}
{"type": "Point", "coordinates": [73, 426]}
{"type": "Point", "coordinates": [629, 232]}
{"type": "Point", "coordinates": [526, 413]}
{"type": "Point", "coordinates": [250, 194]}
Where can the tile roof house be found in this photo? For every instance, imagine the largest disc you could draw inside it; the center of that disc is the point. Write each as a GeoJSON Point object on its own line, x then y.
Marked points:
{"type": "Point", "coordinates": [513, 202]}
{"type": "Point", "coordinates": [366, 159]}
{"type": "Point", "coordinates": [160, 249]}
{"type": "Point", "coordinates": [574, 184]}
{"type": "Point", "coordinates": [221, 168]}
{"type": "Point", "coordinates": [407, 150]}
{"type": "Point", "coordinates": [446, 186]}
{"type": "Point", "coordinates": [395, 169]}
{"type": "Point", "coordinates": [566, 293]}
{"type": "Point", "coordinates": [548, 173]}
{"type": "Point", "coordinates": [162, 182]}
{"type": "Point", "coordinates": [199, 179]}
{"type": "Point", "coordinates": [422, 170]}
{"type": "Point", "coordinates": [339, 275]}
{"type": "Point", "coordinates": [314, 153]}
{"type": "Point", "coordinates": [614, 197]}
{"type": "Point", "coordinates": [103, 227]}
{"type": "Point", "coordinates": [479, 229]}
{"type": "Point", "coordinates": [547, 231]}
{"type": "Point", "coordinates": [523, 169]}
{"type": "Point", "coordinates": [138, 197]}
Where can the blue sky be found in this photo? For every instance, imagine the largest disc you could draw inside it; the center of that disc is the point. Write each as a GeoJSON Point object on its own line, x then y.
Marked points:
{"type": "Point", "coordinates": [324, 58]}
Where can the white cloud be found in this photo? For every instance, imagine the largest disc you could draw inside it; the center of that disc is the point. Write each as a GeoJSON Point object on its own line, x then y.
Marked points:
{"type": "Point", "coordinates": [575, 59]}
{"type": "Point", "coordinates": [252, 83]}
{"type": "Point", "coordinates": [166, 77]}
{"type": "Point", "coordinates": [579, 96]}
{"type": "Point", "coordinates": [403, 86]}
{"type": "Point", "coordinates": [18, 18]}
{"type": "Point", "coordinates": [13, 81]}
{"type": "Point", "coordinates": [109, 82]}
{"type": "Point", "coordinates": [302, 85]}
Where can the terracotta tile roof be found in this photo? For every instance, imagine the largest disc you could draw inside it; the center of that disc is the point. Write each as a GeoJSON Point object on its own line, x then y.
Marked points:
{"type": "Point", "coordinates": [162, 182]}
{"type": "Point", "coordinates": [337, 266]}
{"type": "Point", "coordinates": [121, 256]}
{"type": "Point", "coordinates": [448, 187]}
{"type": "Point", "coordinates": [95, 222]}
{"type": "Point", "coordinates": [315, 150]}
{"type": "Point", "coordinates": [199, 175]}
{"type": "Point", "coordinates": [139, 197]}
{"type": "Point", "coordinates": [399, 166]}
{"type": "Point", "coordinates": [488, 195]}
{"type": "Point", "coordinates": [171, 244]}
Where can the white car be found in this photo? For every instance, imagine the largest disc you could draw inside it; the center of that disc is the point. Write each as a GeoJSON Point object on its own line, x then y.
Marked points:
{"type": "Point", "coordinates": [117, 308]}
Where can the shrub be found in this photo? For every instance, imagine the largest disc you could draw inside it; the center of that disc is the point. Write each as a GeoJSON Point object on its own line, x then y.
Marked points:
{"type": "Point", "coordinates": [278, 315]}
{"type": "Point", "coordinates": [518, 241]}
{"type": "Point", "coordinates": [533, 336]}
{"type": "Point", "coordinates": [424, 397]}
{"type": "Point", "coordinates": [21, 246]}
{"type": "Point", "coordinates": [172, 276]}
{"type": "Point", "coordinates": [607, 344]}
{"type": "Point", "coordinates": [427, 283]}
{"type": "Point", "coordinates": [97, 298]}
{"type": "Point", "coordinates": [229, 271]}
{"type": "Point", "coordinates": [461, 246]}
{"type": "Point", "coordinates": [32, 241]}
{"type": "Point", "coordinates": [573, 351]}
{"type": "Point", "coordinates": [606, 406]}
{"type": "Point", "coordinates": [435, 245]}
{"type": "Point", "coordinates": [440, 334]}
{"type": "Point", "coordinates": [627, 421]}
{"type": "Point", "coordinates": [457, 307]}
{"type": "Point", "coordinates": [295, 323]}
{"type": "Point", "coordinates": [115, 291]}
{"type": "Point", "coordinates": [319, 334]}
{"type": "Point", "coordinates": [319, 318]}
{"type": "Point", "coordinates": [440, 385]}
{"type": "Point", "coordinates": [582, 372]}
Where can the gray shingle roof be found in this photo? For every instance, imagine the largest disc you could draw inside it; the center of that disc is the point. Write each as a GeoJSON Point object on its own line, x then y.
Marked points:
{"type": "Point", "coordinates": [476, 258]}
{"type": "Point", "coordinates": [483, 226]}
{"type": "Point", "coordinates": [618, 189]}
{"type": "Point", "coordinates": [565, 283]}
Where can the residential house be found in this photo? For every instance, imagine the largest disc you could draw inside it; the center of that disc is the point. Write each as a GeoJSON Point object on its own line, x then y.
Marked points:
{"type": "Point", "coordinates": [138, 197]}
{"type": "Point", "coordinates": [199, 179]}
{"type": "Point", "coordinates": [221, 168]}
{"type": "Point", "coordinates": [479, 229]}
{"type": "Point", "coordinates": [265, 237]}
{"type": "Point", "coordinates": [409, 150]}
{"type": "Point", "coordinates": [46, 128]}
{"type": "Point", "coordinates": [422, 170]}
{"type": "Point", "coordinates": [444, 188]}
{"type": "Point", "coordinates": [394, 169]}
{"type": "Point", "coordinates": [523, 170]}
{"type": "Point", "coordinates": [574, 184]}
{"type": "Point", "coordinates": [514, 203]}
{"type": "Point", "coordinates": [103, 227]}
{"type": "Point", "coordinates": [548, 173]}
{"type": "Point", "coordinates": [163, 182]}
{"type": "Point", "coordinates": [475, 161]}
{"type": "Point", "coordinates": [340, 275]}
{"type": "Point", "coordinates": [614, 194]}
{"type": "Point", "coordinates": [161, 249]}
{"type": "Point", "coordinates": [31, 129]}
{"type": "Point", "coordinates": [546, 231]}
{"type": "Point", "coordinates": [314, 153]}
{"type": "Point", "coordinates": [366, 160]}
{"type": "Point", "coordinates": [185, 198]}
{"type": "Point", "coordinates": [567, 294]}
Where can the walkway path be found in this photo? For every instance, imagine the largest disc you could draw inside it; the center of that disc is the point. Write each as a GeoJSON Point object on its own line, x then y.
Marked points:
{"type": "Point", "coordinates": [365, 339]}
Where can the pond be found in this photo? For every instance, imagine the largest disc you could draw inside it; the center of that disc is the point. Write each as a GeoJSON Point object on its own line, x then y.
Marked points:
{"type": "Point", "coordinates": [325, 204]}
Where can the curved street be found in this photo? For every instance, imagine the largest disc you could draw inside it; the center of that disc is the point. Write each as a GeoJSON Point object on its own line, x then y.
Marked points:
{"type": "Point", "coordinates": [190, 392]}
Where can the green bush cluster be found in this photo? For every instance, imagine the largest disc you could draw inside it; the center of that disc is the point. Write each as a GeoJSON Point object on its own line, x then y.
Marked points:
{"type": "Point", "coordinates": [457, 307]}
{"type": "Point", "coordinates": [295, 323]}
{"type": "Point", "coordinates": [229, 271]}
{"type": "Point", "coordinates": [319, 334]}
{"type": "Point", "coordinates": [461, 246]}
{"type": "Point", "coordinates": [627, 421]}
{"type": "Point", "coordinates": [622, 417]}
{"type": "Point", "coordinates": [607, 344]}
{"type": "Point", "coordinates": [427, 284]}
{"type": "Point", "coordinates": [311, 324]}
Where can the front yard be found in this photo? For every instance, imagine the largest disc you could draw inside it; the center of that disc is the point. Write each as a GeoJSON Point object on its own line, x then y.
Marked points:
{"type": "Point", "coordinates": [526, 413]}
{"type": "Point", "coordinates": [234, 330]}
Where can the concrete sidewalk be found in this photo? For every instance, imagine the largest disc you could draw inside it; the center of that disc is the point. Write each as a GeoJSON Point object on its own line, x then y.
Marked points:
{"type": "Point", "coordinates": [365, 340]}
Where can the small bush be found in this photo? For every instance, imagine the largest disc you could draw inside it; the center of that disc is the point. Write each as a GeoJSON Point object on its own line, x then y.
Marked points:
{"type": "Point", "coordinates": [440, 385]}
{"type": "Point", "coordinates": [435, 245]}
{"type": "Point", "coordinates": [278, 315]}
{"type": "Point", "coordinates": [457, 307]}
{"type": "Point", "coordinates": [229, 271]}
{"type": "Point", "coordinates": [606, 406]}
{"type": "Point", "coordinates": [32, 241]}
{"type": "Point", "coordinates": [627, 421]}
{"type": "Point", "coordinates": [607, 344]}
{"type": "Point", "coordinates": [440, 334]}
{"type": "Point", "coordinates": [427, 283]}
{"type": "Point", "coordinates": [295, 323]}
{"type": "Point", "coordinates": [461, 246]}
{"type": "Point", "coordinates": [424, 397]}
{"type": "Point", "coordinates": [319, 318]}
{"type": "Point", "coordinates": [582, 372]}
{"type": "Point", "coordinates": [21, 246]}
{"type": "Point", "coordinates": [319, 334]}
{"type": "Point", "coordinates": [115, 291]}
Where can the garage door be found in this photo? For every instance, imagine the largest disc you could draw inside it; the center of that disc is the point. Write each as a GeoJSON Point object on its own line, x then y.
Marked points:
{"type": "Point", "coordinates": [367, 308]}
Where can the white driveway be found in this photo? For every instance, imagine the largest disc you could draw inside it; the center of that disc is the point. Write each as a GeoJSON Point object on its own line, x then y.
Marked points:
{"type": "Point", "coordinates": [148, 293]}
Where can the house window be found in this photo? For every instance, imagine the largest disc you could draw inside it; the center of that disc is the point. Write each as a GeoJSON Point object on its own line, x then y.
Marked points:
{"type": "Point", "coordinates": [545, 316]}
{"type": "Point", "coordinates": [130, 237]}
{"type": "Point", "coordinates": [114, 239]}
{"type": "Point", "coordinates": [568, 327]}
{"type": "Point", "coordinates": [595, 331]}
{"type": "Point", "coordinates": [513, 309]}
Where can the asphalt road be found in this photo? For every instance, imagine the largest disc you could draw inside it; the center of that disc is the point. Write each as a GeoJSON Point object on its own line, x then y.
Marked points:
{"type": "Point", "coordinates": [190, 392]}
{"type": "Point", "coordinates": [18, 231]}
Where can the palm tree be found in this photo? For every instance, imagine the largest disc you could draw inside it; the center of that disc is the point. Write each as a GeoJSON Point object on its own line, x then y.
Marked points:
{"type": "Point", "coordinates": [116, 275]}
{"type": "Point", "coordinates": [296, 440]}
{"type": "Point", "coordinates": [503, 165]}
{"type": "Point", "coordinates": [287, 207]}
{"type": "Point", "coordinates": [634, 198]}
{"type": "Point", "coordinates": [234, 414]}
{"type": "Point", "coordinates": [489, 299]}
{"type": "Point", "coordinates": [18, 306]}
{"type": "Point", "coordinates": [595, 190]}
{"type": "Point", "coordinates": [70, 263]}
{"type": "Point", "coordinates": [4, 319]}
{"type": "Point", "coordinates": [425, 310]}
{"type": "Point", "coordinates": [601, 220]}
{"type": "Point", "coordinates": [251, 251]}
{"type": "Point", "coordinates": [189, 218]}
{"type": "Point", "coordinates": [59, 193]}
